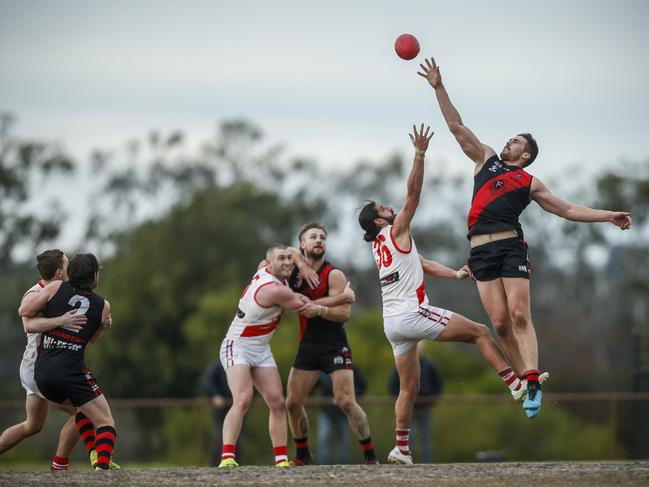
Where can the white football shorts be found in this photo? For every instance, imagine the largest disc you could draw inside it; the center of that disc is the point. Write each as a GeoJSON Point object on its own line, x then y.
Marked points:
{"type": "Point", "coordinates": [246, 351]}
{"type": "Point", "coordinates": [27, 378]}
{"type": "Point", "coordinates": [406, 330]}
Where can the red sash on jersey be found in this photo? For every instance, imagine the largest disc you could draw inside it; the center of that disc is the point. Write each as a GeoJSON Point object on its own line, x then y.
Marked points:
{"type": "Point", "coordinates": [260, 330]}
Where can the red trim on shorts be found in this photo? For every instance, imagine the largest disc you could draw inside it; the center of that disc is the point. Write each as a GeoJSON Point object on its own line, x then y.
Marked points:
{"type": "Point", "coordinates": [394, 242]}
{"type": "Point", "coordinates": [255, 295]}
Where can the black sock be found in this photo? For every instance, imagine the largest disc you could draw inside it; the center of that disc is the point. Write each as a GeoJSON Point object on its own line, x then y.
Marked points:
{"type": "Point", "coordinates": [368, 448]}
{"type": "Point", "coordinates": [302, 447]}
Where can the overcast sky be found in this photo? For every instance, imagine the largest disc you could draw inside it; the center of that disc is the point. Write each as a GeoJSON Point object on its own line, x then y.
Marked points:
{"type": "Point", "coordinates": [323, 77]}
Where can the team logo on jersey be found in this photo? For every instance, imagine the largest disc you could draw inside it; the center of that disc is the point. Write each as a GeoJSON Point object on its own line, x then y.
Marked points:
{"type": "Point", "coordinates": [240, 314]}
{"type": "Point", "coordinates": [495, 166]}
{"type": "Point", "coordinates": [499, 184]}
{"type": "Point", "coordinates": [390, 279]}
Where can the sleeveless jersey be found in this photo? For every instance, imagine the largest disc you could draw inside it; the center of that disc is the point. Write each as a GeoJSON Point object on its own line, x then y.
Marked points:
{"type": "Point", "coordinates": [62, 346]}
{"type": "Point", "coordinates": [33, 339]}
{"type": "Point", "coordinates": [253, 319]}
{"type": "Point", "coordinates": [403, 287]}
{"type": "Point", "coordinates": [317, 329]}
{"type": "Point", "coordinates": [500, 194]}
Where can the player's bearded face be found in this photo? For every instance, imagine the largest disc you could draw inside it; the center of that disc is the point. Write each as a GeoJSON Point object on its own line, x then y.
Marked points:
{"type": "Point", "coordinates": [315, 244]}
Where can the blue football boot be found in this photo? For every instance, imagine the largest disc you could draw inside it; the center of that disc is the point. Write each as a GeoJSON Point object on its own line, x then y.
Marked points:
{"type": "Point", "coordinates": [532, 403]}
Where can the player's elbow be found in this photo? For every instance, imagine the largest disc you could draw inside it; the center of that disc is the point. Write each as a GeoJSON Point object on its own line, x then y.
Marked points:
{"type": "Point", "coordinates": [456, 127]}
{"type": "Point", "coordinates": [24, 311]}
{"type": "Point", "coordinates": [30, 328]}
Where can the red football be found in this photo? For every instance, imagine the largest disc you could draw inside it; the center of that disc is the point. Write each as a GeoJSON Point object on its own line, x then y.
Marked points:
{"type": "Point", "coordinates": [407, 46]}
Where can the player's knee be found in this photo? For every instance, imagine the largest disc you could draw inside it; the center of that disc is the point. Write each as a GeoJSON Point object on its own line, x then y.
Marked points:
{"type": "Point", "coordinates": [242, 401]}
{"type": "Point", "coordinates": [293, 406]}
{"type": "Point", "coordinates": [277, 403]}
{"type": "Point", "coordinates": [480, 331]}
{"type": "Point", "coordinates": [409, 388]}
{"type": "Point", "coordinates": [520, 317]}
{"type": "Point", "coordinates": [346, 402]}
{"type": "Point", "coordinates": [32, 427]}
{"type": "Point", "coordinates": [502, 325]}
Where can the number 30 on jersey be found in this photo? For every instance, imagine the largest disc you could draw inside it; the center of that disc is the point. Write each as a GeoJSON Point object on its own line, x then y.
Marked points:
{"type": "Point", "coordinates": [383, 255]}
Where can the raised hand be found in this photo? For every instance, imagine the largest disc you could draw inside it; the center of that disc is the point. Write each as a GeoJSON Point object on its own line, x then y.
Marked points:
{"type": "Point", "coordinates": [431, 72]}
{"type": "Point", "coordinates": [420, 139]}
{"type": "Point", "coordinates": [621, 219]}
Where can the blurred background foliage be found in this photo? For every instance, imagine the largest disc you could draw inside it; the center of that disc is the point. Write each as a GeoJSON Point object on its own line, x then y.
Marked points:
{"type": "Point", "coordinates": [180, 231]}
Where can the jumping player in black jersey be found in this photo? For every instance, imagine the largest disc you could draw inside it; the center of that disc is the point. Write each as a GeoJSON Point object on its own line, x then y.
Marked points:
{"type": "Point", "coordinates": [498, 259]}
{"type": "Point", "coordinates": [323, 344]}
{"type": "Point", "coordinates": [60, 371]}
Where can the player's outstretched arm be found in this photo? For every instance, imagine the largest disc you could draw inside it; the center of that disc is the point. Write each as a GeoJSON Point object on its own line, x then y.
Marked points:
{"type": "Point", "coordinates": [471, 146]}
{"type": "Point", "coordinates": [570, 211]}
{"type": "Point", "coordinates": [70, 320]}
{"type": "Point", "coordinates": [33, 303]}
{"type": "Point", "coordinates": [401, 228]}
{"type": "Point", "coordinates": [436, 269]}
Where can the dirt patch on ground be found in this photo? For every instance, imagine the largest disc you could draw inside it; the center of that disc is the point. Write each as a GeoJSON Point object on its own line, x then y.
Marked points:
{"type": "Point", "coordinates": [546, 474]}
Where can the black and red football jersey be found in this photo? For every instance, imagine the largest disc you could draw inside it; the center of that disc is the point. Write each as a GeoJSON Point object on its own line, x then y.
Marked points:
{"type": "Point", "coordinates": [500, 194]}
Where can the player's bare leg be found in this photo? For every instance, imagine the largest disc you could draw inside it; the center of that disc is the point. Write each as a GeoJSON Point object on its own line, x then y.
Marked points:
{"type": "Point", "coordinates": [240, 384]}
{"type": "Point", "coordinates": [494, 300]}
{"type": "Point", "coordinates": [343, 388]}
{"type": "Point", "coordinates": [36, 408]}
{"type": "Point", "coordinates": [345, 396]}
{"type": "Point", "coordinates": [269, 384]}
{"type": "Point", "coordinates": [299, 385]}
{"type": "Point", "coordinates": [408, 368]}
{"type": "Point", "coordinates": [461, 329]}
{"type": "Point", "coordinates": [518, 297]}
{"type": "Point", "coordinates": [69, 436]}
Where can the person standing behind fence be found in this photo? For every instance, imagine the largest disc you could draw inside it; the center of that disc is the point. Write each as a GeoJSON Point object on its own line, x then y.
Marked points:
{"type": "Point", "coordinates": [333, 426]}
{"type": "Point", "coordinates": [215, 384]}
{"type": "Point", "coordinates": [430, 388]}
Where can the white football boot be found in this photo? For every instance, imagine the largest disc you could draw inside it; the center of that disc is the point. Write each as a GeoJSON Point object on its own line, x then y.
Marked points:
{"type": "Point", "coordinates": [395, 456]}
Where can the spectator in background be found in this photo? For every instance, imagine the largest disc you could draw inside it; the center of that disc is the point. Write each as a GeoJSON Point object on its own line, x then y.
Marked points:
{"type": "Point", "coordinates": [430, 388]}
{"type": "Point", "coordinates": [333, 426]}
{"type": "Point", "coordinates": [215, 384]}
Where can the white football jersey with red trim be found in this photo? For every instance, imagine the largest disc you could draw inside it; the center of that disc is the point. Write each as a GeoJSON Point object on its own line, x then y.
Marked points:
{"type": "Point", "coordinates": [253, 319]}
{"type": "Point", "coordinates": [401, 275]}
{"type": "Point", "coordinates": [33, 339]}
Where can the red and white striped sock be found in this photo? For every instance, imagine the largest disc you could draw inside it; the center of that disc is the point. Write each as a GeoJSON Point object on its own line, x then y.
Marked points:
{"type": "Point", "coordinates": [281, 454]}
{"type": "Point", "coordinates": [227, 451]}
{"type": "Point", "coordinates": [60, 464]}
{"type": "Point", "coordinates": [403, 440]}
{"type": "Point", "coordinates": [511, 379]}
